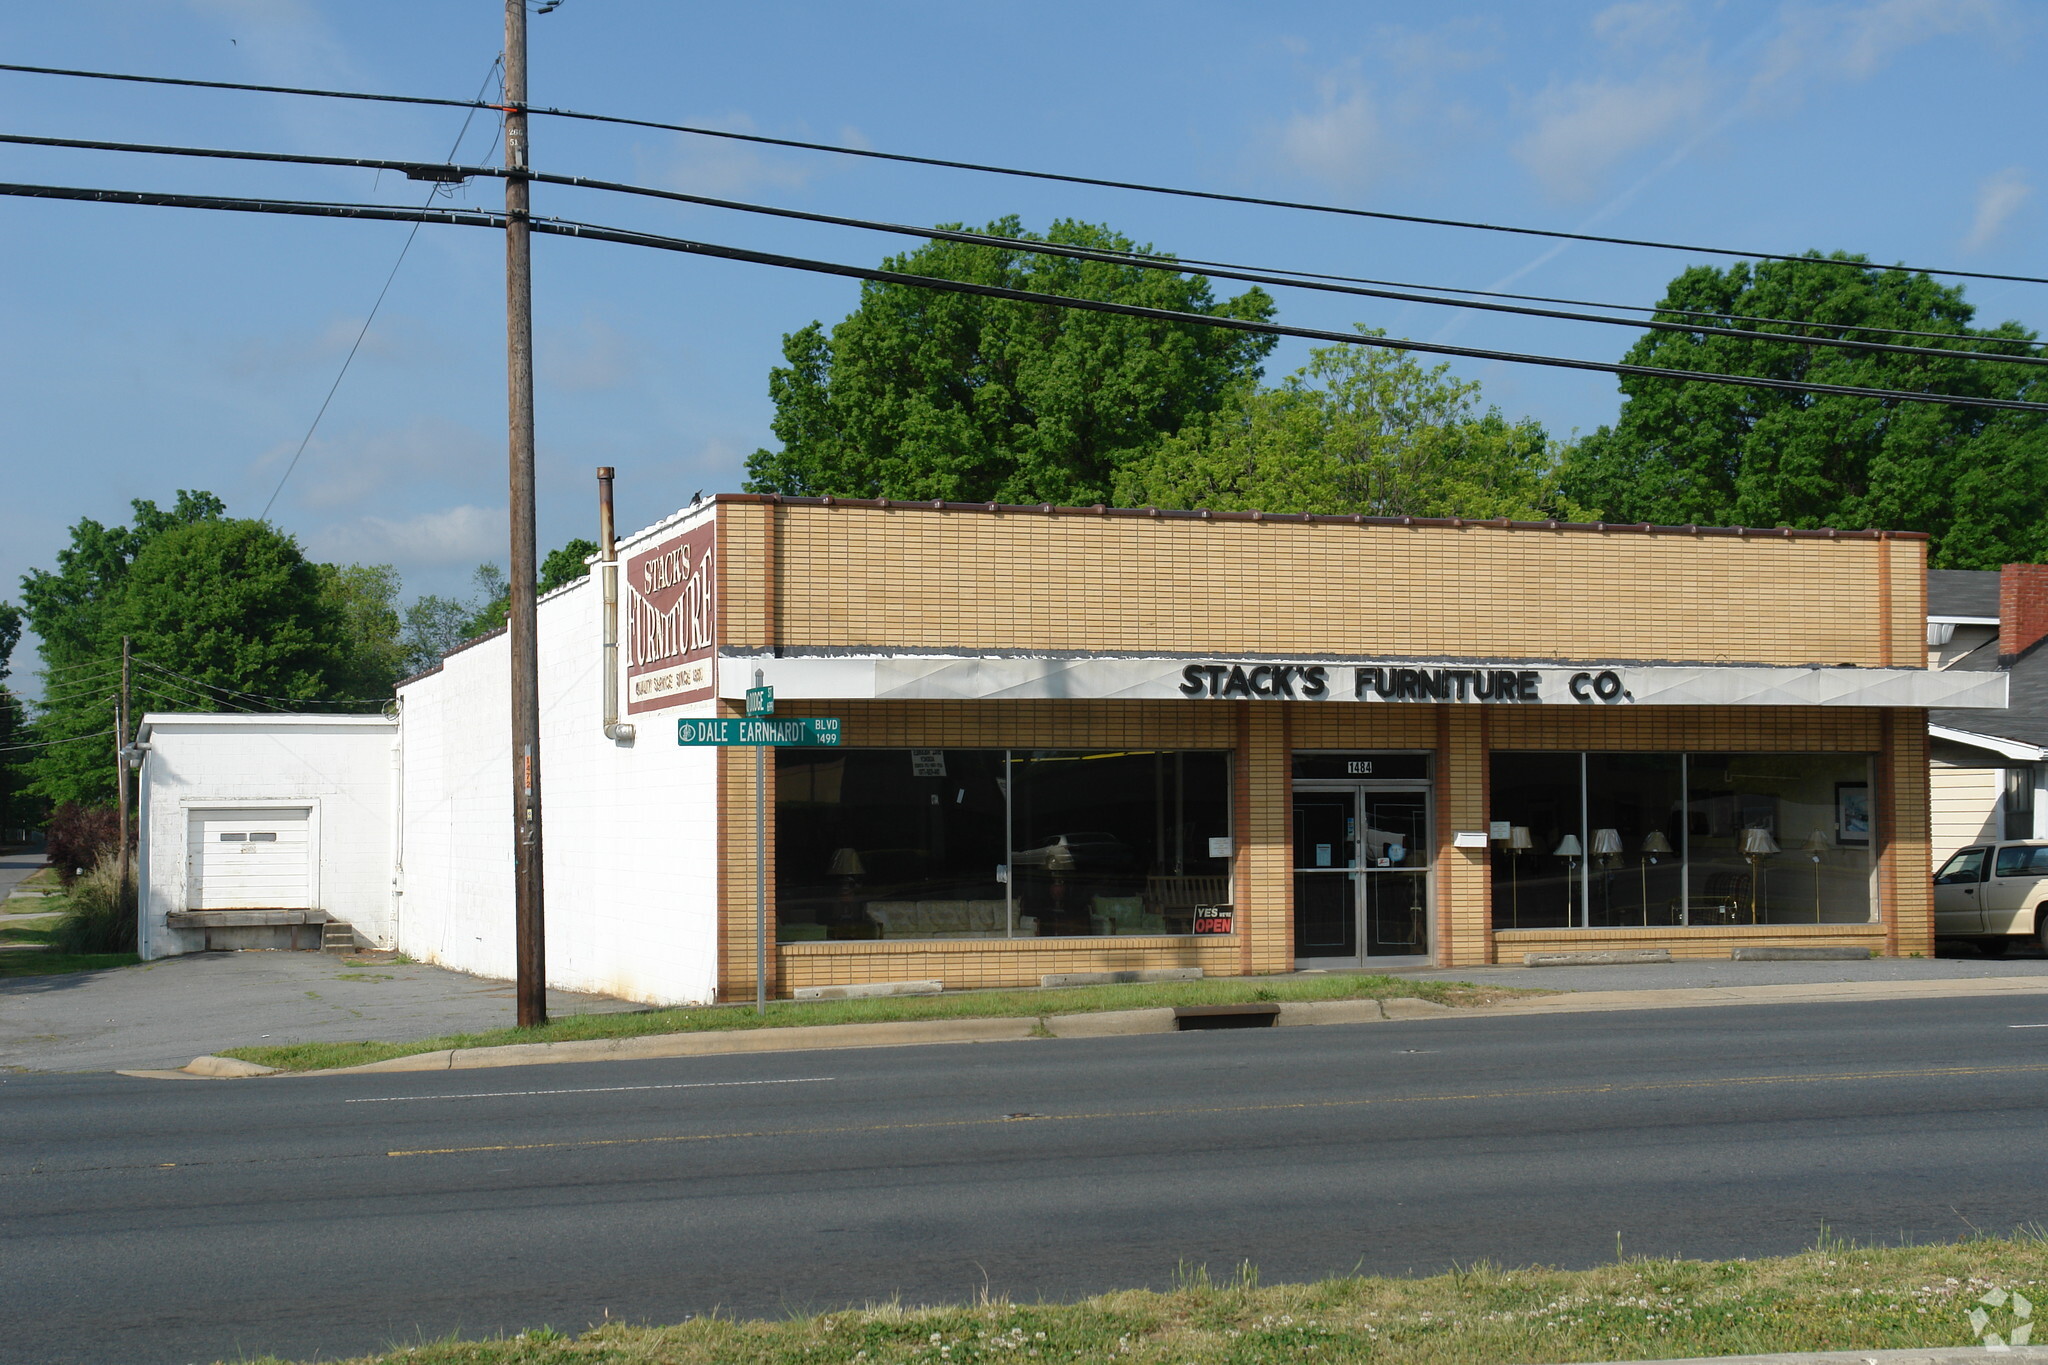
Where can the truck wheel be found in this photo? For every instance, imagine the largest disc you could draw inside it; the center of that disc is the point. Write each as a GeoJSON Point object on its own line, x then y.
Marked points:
{"type": "Point", "coordinates": [2041, 928]}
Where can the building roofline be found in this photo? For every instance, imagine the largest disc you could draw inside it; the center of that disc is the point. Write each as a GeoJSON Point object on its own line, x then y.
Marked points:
{"type": "Point", "coordinates": [1316, 518]}
{"type": "Point", "coordinates": [2005, 748]}
{"type": "Point", "coordinates": [153, 719]}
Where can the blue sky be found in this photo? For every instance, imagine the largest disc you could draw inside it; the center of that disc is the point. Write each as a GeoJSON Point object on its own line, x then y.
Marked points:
{"type": "Point", "coordinates": [151, 349]}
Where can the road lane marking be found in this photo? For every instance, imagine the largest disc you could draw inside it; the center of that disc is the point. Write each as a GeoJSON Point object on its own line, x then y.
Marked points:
{"type": "Point", "coordinates": [2027, 1025]}
{"type": "Point", "coordinates": [586, 1090]}
{"type": "Point", "coordinates": [1191, 1111]}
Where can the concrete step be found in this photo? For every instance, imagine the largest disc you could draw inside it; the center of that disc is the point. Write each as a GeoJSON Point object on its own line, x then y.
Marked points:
{"type": "Point", "coordinates": [336, 937]}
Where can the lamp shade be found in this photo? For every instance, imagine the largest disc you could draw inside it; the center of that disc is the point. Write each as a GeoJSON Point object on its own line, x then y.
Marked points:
{"type": "Point", "coordinates": [1655, 842]}
{"type": "Point", "coordinates": [846, 863]}
{"type": "Point", "coordinates": [1820, 841]}
{"type": "Point", "coordinates": [1519, 840]}
{"type": "Point", "coordinates": [1757, 842]}
{"type": "Point", "coordinates": [1567, 847]}
{"type": "Point", "coordinates": [1606, 842]}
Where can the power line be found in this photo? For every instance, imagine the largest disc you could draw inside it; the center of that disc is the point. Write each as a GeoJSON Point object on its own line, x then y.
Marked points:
{"type": "Point", "coordinates": [262, 696]}
{"type": "Point", "coordinates": [371, 317]}
{"type": "Point", "coordinates": [1142, 260]}
{"type": "Point", "coordinates": [48, 743]}
{"type": "Point", "coordinates": [987, 169]}
{"type": "Point", "coordinates": [559, 227]}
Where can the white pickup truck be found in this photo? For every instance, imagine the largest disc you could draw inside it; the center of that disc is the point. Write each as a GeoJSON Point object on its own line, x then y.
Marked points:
{"type": "Point", "coordinates": [1993, 894]}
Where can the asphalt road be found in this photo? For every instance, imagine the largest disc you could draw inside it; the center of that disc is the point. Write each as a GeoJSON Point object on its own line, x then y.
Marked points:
{"type": "Point", "coordinates": [181, 1221]}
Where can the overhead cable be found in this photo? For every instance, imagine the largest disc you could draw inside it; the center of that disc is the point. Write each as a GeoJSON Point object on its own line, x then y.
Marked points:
{"type": "Point", "coordinates": [1142, 260]}
{"type": "Point", "coordinates": [404, 249]}
{"type": "Point", "coordinates": [987, 169]}
{"type": "Point", "coordinates": [49, 743]}
{"type": "Point", "coordinates": [595, 232]}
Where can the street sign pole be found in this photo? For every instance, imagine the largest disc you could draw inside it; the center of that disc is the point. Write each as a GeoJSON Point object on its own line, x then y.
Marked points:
{"type": "Point", "coordinates": [760, 733]}
{"type": "Point", "coordinates": [760, 852]}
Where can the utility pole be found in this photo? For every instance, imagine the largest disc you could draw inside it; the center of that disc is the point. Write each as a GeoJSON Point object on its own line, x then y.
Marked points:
{"type": "Point", "coordinates": [121, 770]}
{"type": "Point", "coordinates": [531, 921]}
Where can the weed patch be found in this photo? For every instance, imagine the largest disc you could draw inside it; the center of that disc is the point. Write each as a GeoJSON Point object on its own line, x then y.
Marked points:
{"type": "Point", "coordinates": [1837, 1297]}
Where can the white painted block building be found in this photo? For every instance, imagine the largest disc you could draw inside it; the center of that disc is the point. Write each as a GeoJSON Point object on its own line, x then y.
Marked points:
{"type": "Point", "coordinates": [257, 826]}
{"type": "Point", "coordinates": [256, 829]}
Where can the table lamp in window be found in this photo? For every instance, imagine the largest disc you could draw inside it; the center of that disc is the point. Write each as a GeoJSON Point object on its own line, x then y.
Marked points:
{"type": "Point", "coordinates": [1519, 843]}
{"type": "Point", "coordinates": [1606, 847]}
{"type": "Point", "coordinates": [1655, 846]}
{"type": "Point", "coordinates": [1757, 845]}
{"type": "Point", "coordinates": [1569, 849]}
{"type": "Point", "coordinates": [847, 866]}
{"type": "Point", "coordinates": [1817, 843]}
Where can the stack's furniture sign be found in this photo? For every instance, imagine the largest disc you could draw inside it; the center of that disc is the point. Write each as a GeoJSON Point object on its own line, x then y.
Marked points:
{"type": "Point", "coordinates": [670, 637]}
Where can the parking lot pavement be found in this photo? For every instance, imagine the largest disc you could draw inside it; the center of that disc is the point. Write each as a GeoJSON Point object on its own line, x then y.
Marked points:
{"type": "Point", "coordinates": [165, 1013]}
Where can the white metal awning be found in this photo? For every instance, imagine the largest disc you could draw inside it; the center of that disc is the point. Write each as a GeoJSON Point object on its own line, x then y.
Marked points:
{"type": "Point", "coordinates": [1395, 682]}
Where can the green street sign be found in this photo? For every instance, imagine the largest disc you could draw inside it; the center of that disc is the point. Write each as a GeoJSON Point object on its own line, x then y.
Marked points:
{"type": "Point", "coordinates": [733, 732]}
{"type": "Point", "coordinates": [760, 701]}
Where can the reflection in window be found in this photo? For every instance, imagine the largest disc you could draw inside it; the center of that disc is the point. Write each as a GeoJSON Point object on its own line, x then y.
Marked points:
{"type": "Point", "coordinates": [975, 843]}
{"type": "Point", "coordinates": [1680, 840]}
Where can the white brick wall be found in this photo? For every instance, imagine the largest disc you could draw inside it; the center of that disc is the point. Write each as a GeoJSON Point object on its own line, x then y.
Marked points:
{"type": "Point", "coordinates": [630, 829]}
{"type": "Point", "coordinates": [342, 768]}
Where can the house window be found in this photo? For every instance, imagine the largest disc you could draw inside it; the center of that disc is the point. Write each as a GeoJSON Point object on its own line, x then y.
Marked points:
{"type": "Point", "coordinates": [2019, 803]}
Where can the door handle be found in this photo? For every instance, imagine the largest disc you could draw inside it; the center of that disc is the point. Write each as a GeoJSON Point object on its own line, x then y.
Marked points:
{"type": "Point", "coordinates": [1969, 891]}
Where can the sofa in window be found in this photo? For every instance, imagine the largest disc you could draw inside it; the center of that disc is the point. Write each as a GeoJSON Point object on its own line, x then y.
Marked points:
{"type": "Point", "coordinates": [946, 919]}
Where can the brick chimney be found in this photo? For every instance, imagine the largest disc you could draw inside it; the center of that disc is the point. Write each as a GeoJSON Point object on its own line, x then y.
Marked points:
{"type": "Point", "coordinates": [2022, 609]}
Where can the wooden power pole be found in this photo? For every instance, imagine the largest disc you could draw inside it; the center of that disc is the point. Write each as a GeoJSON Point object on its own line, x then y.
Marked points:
{"type": "Point", "coordinates": [121, 771]}
{"type": "Point", "coordinates": [530, 916]}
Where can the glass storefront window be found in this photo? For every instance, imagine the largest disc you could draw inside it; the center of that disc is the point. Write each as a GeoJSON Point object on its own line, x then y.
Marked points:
{"type": "Point", "coordinates": [980, 843]}
{"type": "Point", "coordinates": [1680, 840]}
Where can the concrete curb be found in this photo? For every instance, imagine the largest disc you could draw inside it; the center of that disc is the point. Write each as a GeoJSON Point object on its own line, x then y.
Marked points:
{"type": "Point", "coordinates": [802, 1038]}
{"type": "Point", "coordinates": [1127, 1023]}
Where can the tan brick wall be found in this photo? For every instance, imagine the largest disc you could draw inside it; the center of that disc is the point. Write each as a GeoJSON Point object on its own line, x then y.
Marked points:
{"type": "Point", "coordinates": [1693, 944]}
{"type": "Point", "coordinates": [911, 578]}
{"type": "Point", "coordinates": [1262, 737]}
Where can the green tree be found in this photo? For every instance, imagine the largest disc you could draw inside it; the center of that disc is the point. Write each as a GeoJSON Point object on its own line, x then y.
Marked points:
{"type": "Point", "coordinates": [216, 609]}
{"type": "Point", "coordinates": [1356, 430]}
{"type": "Point", "coordinates": [364, 598]}
{"type": "Point", "coordinates": [434, 625]}
{"type": "Point", "coordinates": [1976, 480]}
{"type": "Point", "coordinates": [922, 394]}
{"type": "Point", "coordinates": [566, 565]}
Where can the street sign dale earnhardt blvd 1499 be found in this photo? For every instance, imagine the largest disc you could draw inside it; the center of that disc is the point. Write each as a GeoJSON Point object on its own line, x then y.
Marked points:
{"type": "Point", "coordinates": [734, 731]}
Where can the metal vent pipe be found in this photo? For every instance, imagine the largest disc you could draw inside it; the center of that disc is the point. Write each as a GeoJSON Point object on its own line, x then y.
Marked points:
{"type": "Point", "coordinates": [608, 575]}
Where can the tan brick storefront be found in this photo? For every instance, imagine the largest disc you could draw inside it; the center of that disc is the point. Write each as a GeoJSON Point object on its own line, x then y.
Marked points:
{"type": "Point", "coordinates": [969, 630]}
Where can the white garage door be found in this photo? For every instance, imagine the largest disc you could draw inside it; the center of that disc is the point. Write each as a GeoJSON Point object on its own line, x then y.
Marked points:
{"type": "Point", "coordinates": [250, 860]}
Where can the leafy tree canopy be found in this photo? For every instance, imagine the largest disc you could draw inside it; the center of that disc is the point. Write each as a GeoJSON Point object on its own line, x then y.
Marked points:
{"type": "Point", "coordinates": [1356, 430]}
{"type": "Point", "coordinates": [1975, 480]}
{"type": "Point", "coordinates": [920, 394]}
{"type": "Point", "coordinates": [434, 625]}
{"type": "Point", "coordinates": [215, 608]}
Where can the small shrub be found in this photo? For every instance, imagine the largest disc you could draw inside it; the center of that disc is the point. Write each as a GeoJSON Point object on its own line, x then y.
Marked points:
{"type": "Point", "coordinates": [80, 836]}
{"type": "Point", "coordinates": [100, 913]}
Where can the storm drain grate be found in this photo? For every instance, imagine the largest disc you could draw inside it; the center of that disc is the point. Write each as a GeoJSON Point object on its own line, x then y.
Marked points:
{"type": "Point", "coordinates": [1187, 1018]}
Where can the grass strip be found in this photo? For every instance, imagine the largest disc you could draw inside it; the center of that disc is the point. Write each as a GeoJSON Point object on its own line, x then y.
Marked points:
{"type": "Point", "coordinates": [31, 962]}
{"type": "Point", "coordinates": [29, 930]}
{"type": "Point", "coordinates": [892, 1009]}
{"type": "Point", "coordinates": [1836, 1297]}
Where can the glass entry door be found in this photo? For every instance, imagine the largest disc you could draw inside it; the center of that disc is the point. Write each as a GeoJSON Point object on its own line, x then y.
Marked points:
{"type": "Point", "coordinates": [1361, 873]}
